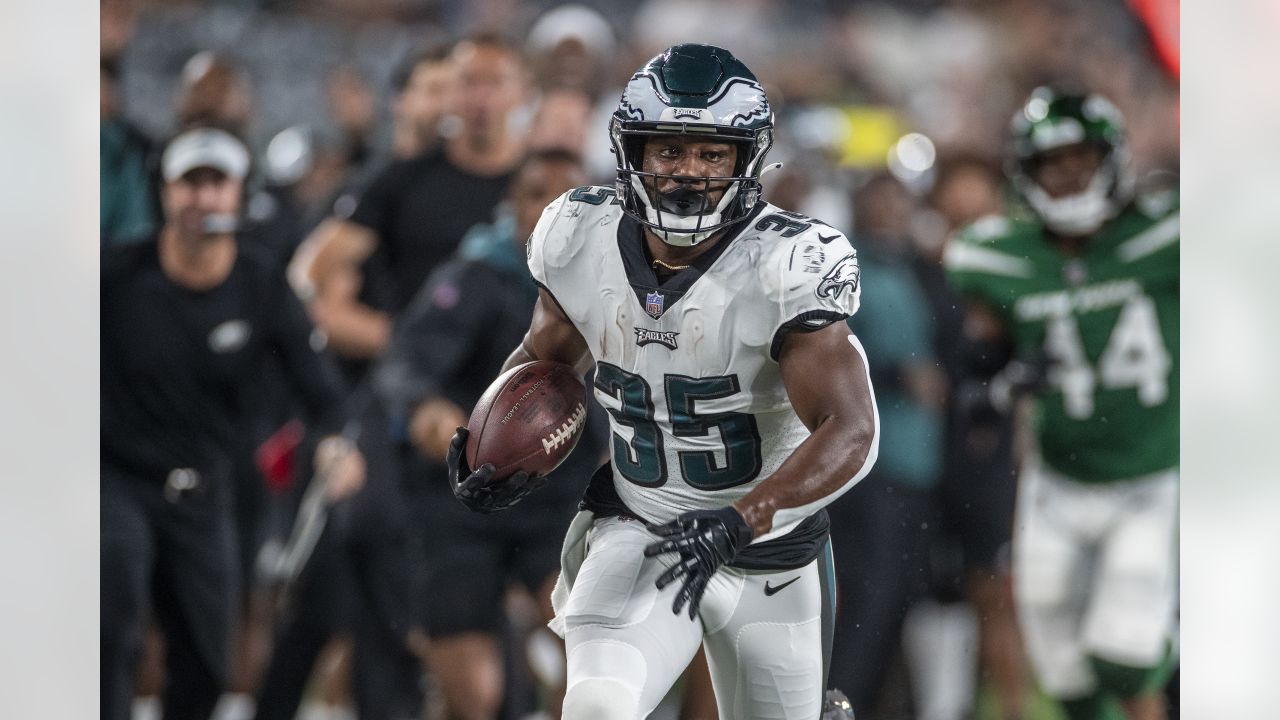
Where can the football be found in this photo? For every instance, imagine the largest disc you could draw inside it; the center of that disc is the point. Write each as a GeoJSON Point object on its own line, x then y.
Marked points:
{"type": "Point", "coordinates": [529, 419]}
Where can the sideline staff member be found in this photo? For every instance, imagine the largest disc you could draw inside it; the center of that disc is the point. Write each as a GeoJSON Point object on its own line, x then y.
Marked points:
{"type": "Point", "coordinates": [188, 318]}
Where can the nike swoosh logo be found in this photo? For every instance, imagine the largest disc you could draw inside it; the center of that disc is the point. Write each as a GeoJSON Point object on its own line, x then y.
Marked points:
{"type": "Point", "coordinates": [826, 240]}
{"type": "Point", "coordinates": [768, 590]}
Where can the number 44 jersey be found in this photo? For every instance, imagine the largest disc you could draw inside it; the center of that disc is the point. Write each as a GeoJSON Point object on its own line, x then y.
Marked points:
{"type": "Point", "coordinates": [1108, 322]}
{"type": "Point", "coordinates": [687, 368]}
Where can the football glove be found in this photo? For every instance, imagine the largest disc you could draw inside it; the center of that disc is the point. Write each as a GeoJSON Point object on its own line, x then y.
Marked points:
{"type": "Point", "coordinates": [835, 706]}
{"type": "Point", "coordinates": [477, 489]}
{"type": "Point", "coordinates": [1022, 376]}
{"type": "Point", "coordinates": [704, 540]}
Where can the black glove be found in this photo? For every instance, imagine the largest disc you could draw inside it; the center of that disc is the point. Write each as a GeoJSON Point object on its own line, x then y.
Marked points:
{"type": "Point", "coordinates": [705, 539]}
{"type": "Point", "coordinates": [835, 706]}
{"type": "Point", "coordinates": [1022, 376]}
{"type": "Point", "coordinates": [478, 490]}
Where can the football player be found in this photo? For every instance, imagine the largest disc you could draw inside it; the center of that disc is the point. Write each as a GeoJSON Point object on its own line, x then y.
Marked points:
{"type": "Point", "coordinates": [740, 405]}
{"type": "Point", "coordinates": [1086, 295]}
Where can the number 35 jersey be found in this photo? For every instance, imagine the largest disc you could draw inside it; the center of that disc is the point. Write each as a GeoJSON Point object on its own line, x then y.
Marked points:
{"type": "Point", "coordinates": [687, 368]}
{"type": "Point", "coordinates": [1108, 322]}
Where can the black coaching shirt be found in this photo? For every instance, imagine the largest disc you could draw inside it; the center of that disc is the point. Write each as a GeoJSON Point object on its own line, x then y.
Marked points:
{"type": "Point", "coordinates": [420, 209]}
{"type": "Point", "coordinates": [176, 363]}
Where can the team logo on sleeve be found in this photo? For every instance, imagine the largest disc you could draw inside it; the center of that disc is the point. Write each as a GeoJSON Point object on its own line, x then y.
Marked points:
{"type": "Point", "coordinates": [667, 338]}
{"type": "Point", "coordinates": [843, 275]}
{"type": "Point", "coordinates": [653, 304]}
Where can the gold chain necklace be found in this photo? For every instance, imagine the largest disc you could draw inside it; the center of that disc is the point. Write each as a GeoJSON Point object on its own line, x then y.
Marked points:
{"type": "Point", "coordinates": [673, 268]}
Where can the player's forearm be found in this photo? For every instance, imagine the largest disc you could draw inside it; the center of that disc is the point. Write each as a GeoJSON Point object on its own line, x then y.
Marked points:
{"type": "Point", "coordinates": [519, 356]}
{"type": "Point", "coordinates": [835, 457]}
{"type": "Point", "coordinates": [355, 331]}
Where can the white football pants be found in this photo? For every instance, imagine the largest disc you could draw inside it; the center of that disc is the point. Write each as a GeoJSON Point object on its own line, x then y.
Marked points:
{"type": "Point", "coordinates": [767, 651]}
{"type": "Point", "coordinates": [1095, 573]}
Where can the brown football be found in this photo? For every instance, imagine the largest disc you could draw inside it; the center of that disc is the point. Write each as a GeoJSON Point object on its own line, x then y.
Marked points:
{"type": "Point", "coordinates": [529, 419]}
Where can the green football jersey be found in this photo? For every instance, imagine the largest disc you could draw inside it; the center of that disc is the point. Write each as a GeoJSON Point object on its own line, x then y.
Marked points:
{"type": "Point", "coordinates": [1107, 319]}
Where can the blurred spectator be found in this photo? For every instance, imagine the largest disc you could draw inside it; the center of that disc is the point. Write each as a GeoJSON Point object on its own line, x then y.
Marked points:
{"type": "Point", "coordinates": [562, 121]}
{"type": "Point", "coordinates": [188, 318]}
{"type": "Point", "coordinates": [353, 108]}
{"type": "Point", "coordinates": [215, 93]}
{"type": "Point", "coordinates": [571, 45]}
{"type": "Point", "coordinates": [449, 345]}
{"type": "Point", "coordinates": [424, 89]}
{"type": "Point", "coordinates": [884, 523]}
{"type": "Point", "coordinates": [414, 215]}
{"type": "Point", "coordinates": [977, 489]}
{"type": "Point", "coordinates": [302, 172]}
{"type": "Point", "coordinates": [128, 209]}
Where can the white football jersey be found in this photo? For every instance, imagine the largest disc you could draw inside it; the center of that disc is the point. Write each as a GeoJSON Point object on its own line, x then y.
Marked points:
{"type": "Point", "coordinates": [688, 370]}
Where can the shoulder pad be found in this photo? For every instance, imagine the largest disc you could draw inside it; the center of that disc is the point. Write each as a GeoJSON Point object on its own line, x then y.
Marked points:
{"type": "Point", "coordinates": [988, 247]}
{"type": "Point", "coordinates": [988, 228]}
{"type": "Point", "coordinates": [558, 236]}
{"type": "Point", "coordinates": [815, 271]}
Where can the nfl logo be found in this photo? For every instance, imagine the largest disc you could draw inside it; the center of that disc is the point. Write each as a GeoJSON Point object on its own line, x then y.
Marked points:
{"type": "Point", "coordinates": [653, 304]}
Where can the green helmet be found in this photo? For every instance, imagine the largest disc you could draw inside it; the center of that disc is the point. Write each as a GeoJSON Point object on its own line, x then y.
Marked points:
{"type": "Point", "coordinates": [697, 90]}
{"type": "Point", "coordinates": [1050, 120]}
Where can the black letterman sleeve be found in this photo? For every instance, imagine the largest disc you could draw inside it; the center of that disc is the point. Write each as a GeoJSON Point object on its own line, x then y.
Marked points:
{"type": "Point", "coordinates": [434, 338]}
{"type": "Point", "coordinates": [313, 375]}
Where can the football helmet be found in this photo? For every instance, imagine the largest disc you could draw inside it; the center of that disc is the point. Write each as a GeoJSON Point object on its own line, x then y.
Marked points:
{"type": "Point", "coordinates": [1051, 119]}
{"type": "Point", "coordinates": [705, 92]}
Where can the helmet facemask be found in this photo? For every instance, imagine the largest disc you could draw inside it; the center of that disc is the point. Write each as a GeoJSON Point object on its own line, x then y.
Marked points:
{"type": "Point", "coordinates": [1081, 213]}
{"type": "Point", "coordinates": [690, 213]}
{"type": "Point", "coordinates": [1051, 120]}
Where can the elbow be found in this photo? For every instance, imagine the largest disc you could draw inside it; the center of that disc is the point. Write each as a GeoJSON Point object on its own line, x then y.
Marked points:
{"type": "Point", "coordinates": [864, 447]}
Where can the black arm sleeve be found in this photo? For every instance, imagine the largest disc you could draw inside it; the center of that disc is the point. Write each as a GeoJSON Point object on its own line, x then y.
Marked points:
{"type": "Point", "coordinates": [433, 339]}
{"type": "Point", "coordinates": [313, 374]}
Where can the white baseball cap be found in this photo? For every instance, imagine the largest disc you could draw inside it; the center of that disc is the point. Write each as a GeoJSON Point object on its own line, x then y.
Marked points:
{"type": "Point", "coordinates": [205, 147]}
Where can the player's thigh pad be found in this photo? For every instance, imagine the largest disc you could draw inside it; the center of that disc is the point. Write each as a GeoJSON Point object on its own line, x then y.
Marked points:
{"type": "Point", "coordinates": [1131, 614]}
{"type": "Point", "coordinates": [765, 651]}
{"type": "Point", "coordinates": [621, 638]}
{"type": "Point", "coordinates": [1051, 579]}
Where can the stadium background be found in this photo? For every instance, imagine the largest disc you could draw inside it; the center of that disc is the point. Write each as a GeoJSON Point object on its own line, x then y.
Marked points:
{"type": "Point", "coordinates": [53, 85]}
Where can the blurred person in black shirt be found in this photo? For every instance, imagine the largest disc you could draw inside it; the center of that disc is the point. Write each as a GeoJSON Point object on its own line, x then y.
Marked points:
{"type": "Point", "coordinates": [449, 344]}
{"type": "Point", "coordinates": [188, 317]}
{"type": "Point", "coordinates": [414, 214]}
{"type": "Point", "coordinates": [977, 491]}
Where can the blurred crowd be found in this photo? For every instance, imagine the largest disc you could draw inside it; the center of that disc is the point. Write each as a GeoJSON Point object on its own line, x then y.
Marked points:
{"type": "Point", "coordinates": [402, 149]}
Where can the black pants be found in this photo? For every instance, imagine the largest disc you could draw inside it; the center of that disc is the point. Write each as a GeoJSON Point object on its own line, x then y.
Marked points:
{"type": "Point", "coordinates": [175, 556]}
{"type": "Point", "coordinates": [339, 593]}
{"type": "Point", "coordinates": [358, 580]}
{"type": "Point", "coordinates": [882, 564]}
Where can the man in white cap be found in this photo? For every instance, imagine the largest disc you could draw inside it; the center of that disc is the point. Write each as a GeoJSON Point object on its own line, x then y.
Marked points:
{"type": "Point", "coordinates": [188, 319]}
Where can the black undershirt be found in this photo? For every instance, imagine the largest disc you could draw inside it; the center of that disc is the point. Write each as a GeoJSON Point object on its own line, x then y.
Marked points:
{"type": "Point", "coordinates": [176, 363]}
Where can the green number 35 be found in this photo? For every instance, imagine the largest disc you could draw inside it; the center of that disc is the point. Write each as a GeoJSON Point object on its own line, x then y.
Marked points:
{"type": "Point", "coordinates": [641, 459]}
